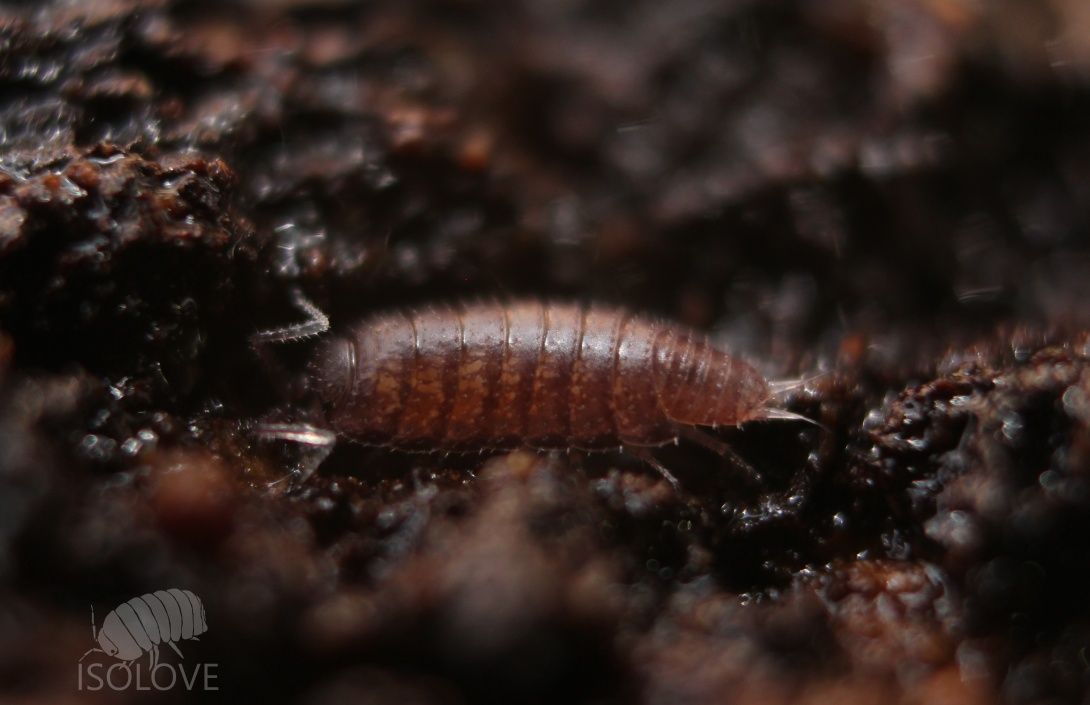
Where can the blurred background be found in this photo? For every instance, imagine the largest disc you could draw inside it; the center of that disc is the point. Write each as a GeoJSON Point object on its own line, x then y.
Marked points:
{"type": "Point", "coordinates": [888, 198]}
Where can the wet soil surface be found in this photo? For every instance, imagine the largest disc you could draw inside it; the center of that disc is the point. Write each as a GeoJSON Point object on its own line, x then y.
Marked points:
{"type": "Point", "coordinates": [886, 199]}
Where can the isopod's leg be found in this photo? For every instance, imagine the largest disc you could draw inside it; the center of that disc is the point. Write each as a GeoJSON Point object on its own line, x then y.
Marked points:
{"type": "Point", "coordinates": [317, 443]}
{"type": "Point", "coordinates": [89, 652]}
{"type": "Point", "coordinates": [721, 449]}
{"type": "Point", "coordinates": [316, 323]}
{"type": "Point", "coordinates": [648, 457]}
{"type": "Point", "coordinates": [153, 656]}
{"type": "Point", "coordinates": [174, 646]}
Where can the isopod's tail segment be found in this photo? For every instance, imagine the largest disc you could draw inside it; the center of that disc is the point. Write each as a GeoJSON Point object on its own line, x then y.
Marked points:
{"type": "Point", "coordinates": [781, 387]}
{"type": "Point", "coordinates": [317, 443]}
{"type": "Point", "coordinates": [316, 323]}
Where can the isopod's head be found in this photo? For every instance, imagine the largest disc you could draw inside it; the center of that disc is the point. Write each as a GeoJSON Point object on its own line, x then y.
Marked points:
{"type": "Point", "coordinates": [115, 639]}
{"type": "Point", "coordinates": [707, 387]}
{"type": "Point", "coordinates": [108, 647]}
{"type": "Point", "coordinates": [331, 372]}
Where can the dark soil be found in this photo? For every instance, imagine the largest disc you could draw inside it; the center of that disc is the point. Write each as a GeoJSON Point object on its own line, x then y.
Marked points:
{"type": "Point", "coordinates": [890, 199]}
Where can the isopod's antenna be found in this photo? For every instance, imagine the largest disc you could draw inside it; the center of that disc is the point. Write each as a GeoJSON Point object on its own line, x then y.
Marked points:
{"type": "Point", "coordinates": [297, 433]}
{"type": "Point", "coordinates": [315, 324]}
{"type": "Point", "coordinates": [319, 441]}
{"type": "Point", "coordinates": [94, 637]}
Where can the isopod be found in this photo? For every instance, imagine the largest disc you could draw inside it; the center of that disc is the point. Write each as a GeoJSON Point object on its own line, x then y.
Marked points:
{"type": "Point", "coordinates": [531, 373]}
{"type": "Point", "coordinates": [140, 625]}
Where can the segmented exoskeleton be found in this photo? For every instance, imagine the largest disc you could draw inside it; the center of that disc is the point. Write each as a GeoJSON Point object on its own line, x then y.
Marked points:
{"type": "Point", "coordinates": [535, 374]}
{"type": "Point", "coordinates": [140, 625]}
{"type": "Point", "coordinates": [532, 373]}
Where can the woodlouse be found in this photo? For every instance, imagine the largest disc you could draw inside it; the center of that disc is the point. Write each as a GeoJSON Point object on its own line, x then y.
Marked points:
{"type": "Point", "coordinates": [141, 624]}
{"type": "Point", "coordinates": [532, 373]}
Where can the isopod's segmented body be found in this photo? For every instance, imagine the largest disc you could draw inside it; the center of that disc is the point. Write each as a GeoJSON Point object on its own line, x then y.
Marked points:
{"type": "Point", "coordinates": [531, 373]}
{"type": "Point", "coordinates": [140, 625]}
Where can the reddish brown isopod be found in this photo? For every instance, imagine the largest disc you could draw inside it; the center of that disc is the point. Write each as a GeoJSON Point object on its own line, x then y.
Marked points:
{"type": "Point", "coordinates": [536, 374]}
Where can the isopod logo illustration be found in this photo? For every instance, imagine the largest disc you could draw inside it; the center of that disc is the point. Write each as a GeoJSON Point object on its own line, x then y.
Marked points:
{"type": "Point", "coordinates": [140, 625]}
